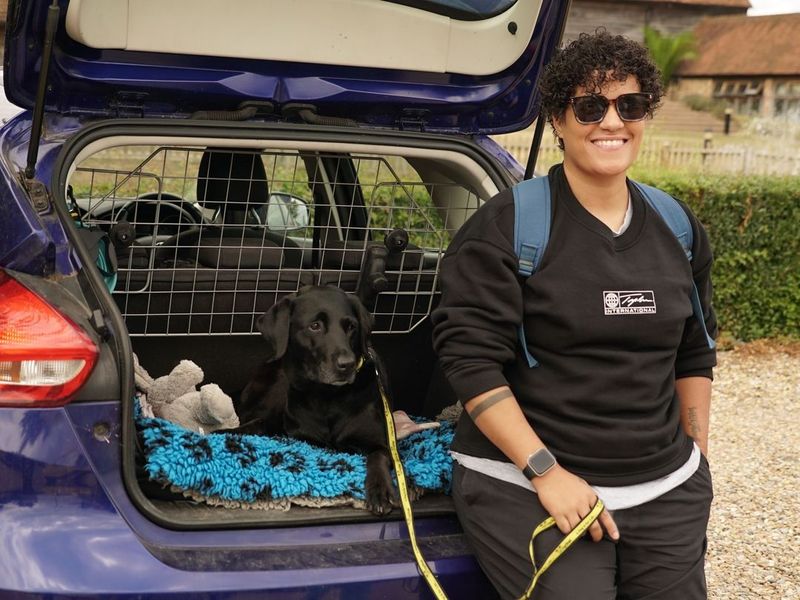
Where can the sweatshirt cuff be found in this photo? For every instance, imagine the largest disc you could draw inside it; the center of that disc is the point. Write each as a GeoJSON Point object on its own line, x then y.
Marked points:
{"type": "Point", "coordinates": [472, 381]}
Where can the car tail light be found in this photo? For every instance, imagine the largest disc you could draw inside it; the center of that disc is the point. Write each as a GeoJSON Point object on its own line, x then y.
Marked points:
{"type": "Point", "coordinates": [44, 357]}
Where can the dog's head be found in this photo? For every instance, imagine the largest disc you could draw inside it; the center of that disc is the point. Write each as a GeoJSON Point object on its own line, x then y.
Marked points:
{"type": "Point", "coordinates": [321, 334]}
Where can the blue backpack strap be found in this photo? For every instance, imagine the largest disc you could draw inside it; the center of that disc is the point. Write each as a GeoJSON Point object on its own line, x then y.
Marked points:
{"type": "Point", "coordinates": [531, 233]}
{"type": "Point", "coordinates": [678, 222]}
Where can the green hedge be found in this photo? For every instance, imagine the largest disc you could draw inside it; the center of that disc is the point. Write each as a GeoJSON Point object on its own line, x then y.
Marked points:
{"type": "Point", "coordinates": [754, 227]}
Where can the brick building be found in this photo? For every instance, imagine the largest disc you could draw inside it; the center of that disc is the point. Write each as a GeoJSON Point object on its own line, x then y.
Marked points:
{"type": "Point", "coordinates": [629, 17]}
{"type": "Point", "coordinates": [751, 63]}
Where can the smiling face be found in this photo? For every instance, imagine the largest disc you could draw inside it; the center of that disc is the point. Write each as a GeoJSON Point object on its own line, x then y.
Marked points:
{"type": "Point", "coordinates": [606, 149]}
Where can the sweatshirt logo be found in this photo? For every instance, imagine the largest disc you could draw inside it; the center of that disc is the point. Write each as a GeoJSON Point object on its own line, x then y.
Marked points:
{"type": "Point", "coordinates": [629, 303]}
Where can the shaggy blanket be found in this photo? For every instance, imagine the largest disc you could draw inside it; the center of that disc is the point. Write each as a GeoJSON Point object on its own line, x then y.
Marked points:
{"type": "Point", "coordinates": [252, 471]}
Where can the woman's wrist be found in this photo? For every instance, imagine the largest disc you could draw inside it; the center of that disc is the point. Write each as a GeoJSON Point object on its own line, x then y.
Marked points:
{"type": "Point", "coordinates": [542, 481]}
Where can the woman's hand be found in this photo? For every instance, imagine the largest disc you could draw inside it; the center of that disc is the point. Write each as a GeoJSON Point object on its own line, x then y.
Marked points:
{"type": "Point", "coordinates": [569, 499]}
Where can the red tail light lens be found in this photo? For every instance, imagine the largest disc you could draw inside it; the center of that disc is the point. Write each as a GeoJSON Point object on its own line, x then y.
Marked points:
{"type": "Point", "coordinates": [44, 357]}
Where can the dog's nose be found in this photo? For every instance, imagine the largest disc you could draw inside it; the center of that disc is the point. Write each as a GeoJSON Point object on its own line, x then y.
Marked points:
{"type": "Point", "coordinates": [345, 363]}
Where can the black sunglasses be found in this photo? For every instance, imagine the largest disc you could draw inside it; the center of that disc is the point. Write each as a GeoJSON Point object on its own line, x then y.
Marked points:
{"type": "Point", "coordinates": [593, 108]}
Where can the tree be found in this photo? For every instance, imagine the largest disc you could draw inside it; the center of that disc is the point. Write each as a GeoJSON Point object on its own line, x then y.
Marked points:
{"type": "Point", "coordinates": [669, 50]}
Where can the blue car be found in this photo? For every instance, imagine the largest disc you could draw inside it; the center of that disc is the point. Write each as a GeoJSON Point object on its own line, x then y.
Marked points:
{"type": "Point", "coordinates": [178, 169]}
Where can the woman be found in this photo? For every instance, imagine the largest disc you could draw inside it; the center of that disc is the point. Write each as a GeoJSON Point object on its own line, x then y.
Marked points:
{"type": "Point", "coordinates": [619, 404]}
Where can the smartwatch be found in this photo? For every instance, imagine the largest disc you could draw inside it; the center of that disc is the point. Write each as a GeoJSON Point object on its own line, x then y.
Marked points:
{"type": "Point", "coordinates": [539, 463]}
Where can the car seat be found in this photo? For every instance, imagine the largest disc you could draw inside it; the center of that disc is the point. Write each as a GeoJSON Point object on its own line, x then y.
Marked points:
{"type": "Point", "coordinates": [218, 276]}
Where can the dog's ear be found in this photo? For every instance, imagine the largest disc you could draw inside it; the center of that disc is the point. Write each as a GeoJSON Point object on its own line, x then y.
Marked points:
{"type": "Point", "coordinates": [274, 327]}
{"type": "Point", "coordinates": [364, 324]}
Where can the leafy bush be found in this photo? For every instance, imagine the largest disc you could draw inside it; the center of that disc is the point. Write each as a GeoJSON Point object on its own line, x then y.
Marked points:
{"type": "Point", "coordinates": [711, 105]}
{"type": "Point", "coordinates": [753, 224]}
{"type": "Point", "coordinates": [668, 51]}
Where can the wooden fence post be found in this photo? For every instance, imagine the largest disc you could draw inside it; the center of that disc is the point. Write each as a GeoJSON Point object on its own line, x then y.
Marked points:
{"type": "Point", "coordinates": [747, 161]}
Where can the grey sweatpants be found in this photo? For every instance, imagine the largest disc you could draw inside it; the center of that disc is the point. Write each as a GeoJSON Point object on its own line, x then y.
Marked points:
{"type": "Point", "coordinates": [659, 556]}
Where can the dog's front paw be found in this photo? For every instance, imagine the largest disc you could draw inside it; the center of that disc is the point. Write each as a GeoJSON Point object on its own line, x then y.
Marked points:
{"type": "Point", "coordinates": [379, 488]}
{"type": "Point", "coordinates": [380, 499]}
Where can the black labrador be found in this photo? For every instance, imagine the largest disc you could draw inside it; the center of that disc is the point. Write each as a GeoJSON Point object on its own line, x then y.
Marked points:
{"type": "Point", "coordinates": [318, 383]}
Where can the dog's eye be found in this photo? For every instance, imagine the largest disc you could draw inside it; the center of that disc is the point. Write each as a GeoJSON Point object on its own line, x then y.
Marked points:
{"type": "Point", "coordinates": [315, 326]}
{"type": "Point", "coordinates": [348, 326]}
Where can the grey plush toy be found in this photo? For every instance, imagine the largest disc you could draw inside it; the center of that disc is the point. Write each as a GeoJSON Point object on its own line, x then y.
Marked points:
{"type": "Point", "coordinates": [175, 397]}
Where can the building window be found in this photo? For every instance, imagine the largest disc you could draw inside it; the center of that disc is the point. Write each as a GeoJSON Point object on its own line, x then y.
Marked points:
{"type": "Point", "coordinates": [787, 99]}
{"type": "Point", "coordinates": [742, 95]}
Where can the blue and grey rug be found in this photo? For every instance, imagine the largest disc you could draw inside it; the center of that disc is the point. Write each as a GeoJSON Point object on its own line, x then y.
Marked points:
{"type": "Point", "coordinates": [251, 471]}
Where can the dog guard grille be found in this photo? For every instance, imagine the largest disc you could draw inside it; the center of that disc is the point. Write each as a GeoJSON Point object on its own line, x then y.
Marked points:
{"type": "Point", "coordinates": [208, 239]}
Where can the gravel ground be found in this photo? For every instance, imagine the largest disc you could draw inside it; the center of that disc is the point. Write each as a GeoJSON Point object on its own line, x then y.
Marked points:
{"type": "Point", "coordinates": [754, 533]}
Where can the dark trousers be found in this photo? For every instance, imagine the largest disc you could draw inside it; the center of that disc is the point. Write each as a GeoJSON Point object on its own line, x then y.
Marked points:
{"type": "Point", "coordinates": [659, 556]}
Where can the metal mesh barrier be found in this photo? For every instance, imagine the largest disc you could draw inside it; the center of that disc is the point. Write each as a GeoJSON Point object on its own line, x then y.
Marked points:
{"type": "Point", "coordinates": [208, 239]}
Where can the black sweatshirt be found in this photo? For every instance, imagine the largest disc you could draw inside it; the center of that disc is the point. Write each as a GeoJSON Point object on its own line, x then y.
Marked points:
{"type": "Point", "coordinates": [603, 397]}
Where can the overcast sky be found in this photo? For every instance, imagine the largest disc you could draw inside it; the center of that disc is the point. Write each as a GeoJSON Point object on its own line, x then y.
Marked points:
{"type": "Point", "coordinates": [772, 7]}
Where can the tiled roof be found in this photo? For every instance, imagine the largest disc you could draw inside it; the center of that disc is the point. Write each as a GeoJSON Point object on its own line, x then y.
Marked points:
{"type": "Point", "coordinates": [739, 45]}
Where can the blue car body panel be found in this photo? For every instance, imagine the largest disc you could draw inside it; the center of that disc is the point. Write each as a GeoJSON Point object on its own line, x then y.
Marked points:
{"type": "Point", "coordinates": [69, 528]}
{"type": "Point", "coordinates": [30, 241]}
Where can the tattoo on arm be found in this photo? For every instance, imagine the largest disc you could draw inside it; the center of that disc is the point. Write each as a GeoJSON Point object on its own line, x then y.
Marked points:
{"type": "Point", "coordinates": [694, 426]}
{"type": "Point", "coordinates": [488, 402]}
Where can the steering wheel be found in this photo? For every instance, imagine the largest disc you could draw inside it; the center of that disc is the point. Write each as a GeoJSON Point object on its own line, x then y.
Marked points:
{"type": "Point", "coordinates": [171, 209]}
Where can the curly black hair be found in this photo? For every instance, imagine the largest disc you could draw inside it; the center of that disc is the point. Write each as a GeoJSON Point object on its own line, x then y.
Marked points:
{"type": "Point", "coordinates": [592, 61]}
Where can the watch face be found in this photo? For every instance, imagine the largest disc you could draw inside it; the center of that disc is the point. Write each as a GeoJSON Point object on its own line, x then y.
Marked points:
{"type": "Point", "coordinates": [541, 461]}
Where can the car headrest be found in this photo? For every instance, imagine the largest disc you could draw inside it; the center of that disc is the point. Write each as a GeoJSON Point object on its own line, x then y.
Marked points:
{"type": "Point", "coordinates": [233, 182]}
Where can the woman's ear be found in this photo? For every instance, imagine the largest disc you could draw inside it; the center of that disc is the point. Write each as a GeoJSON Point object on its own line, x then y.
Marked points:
{"type": "Point", "coordinates": [557, 125]}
